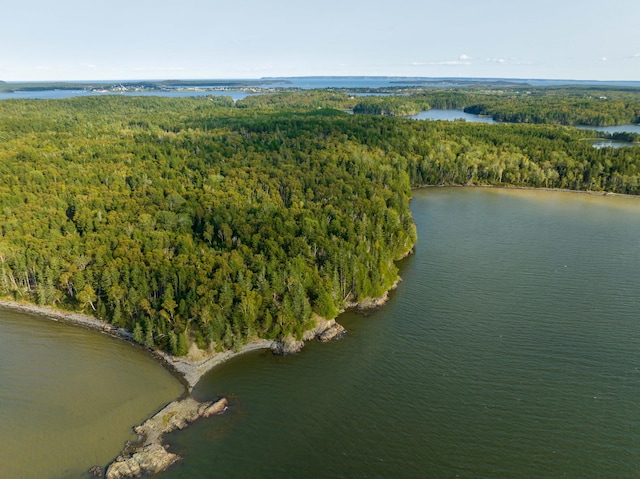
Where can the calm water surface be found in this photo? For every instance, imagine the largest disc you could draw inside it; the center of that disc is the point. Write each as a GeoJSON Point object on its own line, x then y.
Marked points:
{"type": "Point", "coordinates": [59, 94]}
{"type": "Point", "coordinates": [612, 144]}
{"type": "Point", "coordinates": [452, 115]}
{"type": "Point", "coordinates": [511, 350]}
{"type": "Point", "coordinates": [612, 129]}
{"type": "Point", "coordinates": [69, 397]}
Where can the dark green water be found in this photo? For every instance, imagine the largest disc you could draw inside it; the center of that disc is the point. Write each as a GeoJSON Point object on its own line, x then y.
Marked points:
{"type": "Point", "coordinates": [511, 349]}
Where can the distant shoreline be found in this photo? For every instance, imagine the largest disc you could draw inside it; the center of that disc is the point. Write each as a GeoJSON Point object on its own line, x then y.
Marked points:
{"type": "Point", "coordinates": [528, 188]}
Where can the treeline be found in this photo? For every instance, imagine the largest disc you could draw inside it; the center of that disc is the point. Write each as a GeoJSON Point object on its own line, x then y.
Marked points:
{"type": "Point", "coordinates": [599, 111]}
{"type": "Point", "coordinates": [144, 85]}
{"type": "Point", "coordinates": [567, 106]}
{"type": "Point", "coordinates": [215, 233]}
{"type": "Point", "coordinates": [300, 99]}
{"type": "Point", "coordinates": [195, 219]}
{"type": "Point", "coordinates": [389, 106]}
{"type": "Point", "coordinates": [412, 103]}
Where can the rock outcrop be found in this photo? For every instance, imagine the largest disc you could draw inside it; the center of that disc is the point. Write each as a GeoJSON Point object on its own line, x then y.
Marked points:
{"type": "Point", "coordinates": [336, 331]}
{"type": "Point", "coordinates": [287, 346]}
{"type": "Point", "coordinates": [325, 330]}
{"type": "Point", "coordinates": [149, 459]}
{"type": "Point", "coordinates": [151, 456]}
{"type": "Point", "coordinates": [367, 304]}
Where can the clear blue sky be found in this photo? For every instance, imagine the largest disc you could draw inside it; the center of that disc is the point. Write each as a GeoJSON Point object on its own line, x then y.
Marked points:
{"type": "Point", "coordinates": [159, 39]}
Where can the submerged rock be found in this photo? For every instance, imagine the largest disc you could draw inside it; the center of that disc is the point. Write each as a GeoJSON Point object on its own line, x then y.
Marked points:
{"type": "Point", "coordinates": [95, 471]}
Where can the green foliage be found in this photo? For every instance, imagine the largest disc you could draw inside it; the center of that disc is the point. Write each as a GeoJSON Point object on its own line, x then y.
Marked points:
{"type": "Point", "coordinates": [565, 106]}
{"type": "Point", "coordinates": [138, 334]}
{"type": "Point", "coordinates": [194, 220]}
{"type": "Point", "coordinates": [169, 217]}
{"type": "Point", "coordinates": [390, 106]}
{"type": "Point", "coordinates": [299, 99]}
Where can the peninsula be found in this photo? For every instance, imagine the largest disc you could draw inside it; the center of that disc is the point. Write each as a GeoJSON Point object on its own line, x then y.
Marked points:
{"type": "Point", "coordinates": [201, 228]}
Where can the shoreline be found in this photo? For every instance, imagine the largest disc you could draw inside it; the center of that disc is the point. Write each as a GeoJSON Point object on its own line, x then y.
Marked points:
{"type": "Point", "coordinates": [191, 368]}
{"type": "Point", "coordinates": [188, 372]}
{"type": "Point", "coordinates": [529, 188]}
{"type": "Point", "coordinates": [148, 455]}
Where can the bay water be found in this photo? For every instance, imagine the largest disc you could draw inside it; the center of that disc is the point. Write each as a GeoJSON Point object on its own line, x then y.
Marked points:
{"type": "Point", "coordinates": [69, 396]}
{"type": "Point", "coordinates": [511, 349]}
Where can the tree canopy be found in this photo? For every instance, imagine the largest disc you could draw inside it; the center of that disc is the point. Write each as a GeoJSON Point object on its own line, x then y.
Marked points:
{"type": "Point", "coordinates": [197, 219]}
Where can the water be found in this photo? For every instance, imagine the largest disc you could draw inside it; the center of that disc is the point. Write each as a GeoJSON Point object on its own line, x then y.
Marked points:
{"type": "Point", "coordinates": [452, 115]}
{"type": "Point", "coordinates": [58, 94]}
{"type": "Point", "coordinates": [612, 129]}
{"type": "Point", "coordinates": [69, 397]}
{"type": "Point", "coordinates": [510, 350]}
{"type": "Point", "coordinates": [323, 82]}
{"type": "Point", "coordinates": [611, 144]}
{"type": "Point", "coordinates": [455, 115]}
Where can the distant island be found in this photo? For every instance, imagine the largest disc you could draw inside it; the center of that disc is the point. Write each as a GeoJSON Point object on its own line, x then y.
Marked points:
{"type": "Point", "coordinates": [111, 86]}
{"type": "Point", "coordinates": [273, 84]}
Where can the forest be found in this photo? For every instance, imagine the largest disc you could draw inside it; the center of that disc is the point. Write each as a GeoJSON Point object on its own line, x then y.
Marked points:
{"type": "Point", "coordinates": [208, 221]}
{"type": "Point", "coordinates": [564, 106]}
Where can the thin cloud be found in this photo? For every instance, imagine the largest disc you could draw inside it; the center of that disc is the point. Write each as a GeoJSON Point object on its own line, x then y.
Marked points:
{"type": "Point", "coordinates": [463, 60]}
{"type": "Point", "coordinates": [508, 61]}
{"type": "Point", "coordinates": [159, 69]}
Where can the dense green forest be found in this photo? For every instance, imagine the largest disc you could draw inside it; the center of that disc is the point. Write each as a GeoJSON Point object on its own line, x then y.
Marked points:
{"type": "Point", "coordinates": [564, 106]}
{"type": "Point", "coordinates": [201, 219]}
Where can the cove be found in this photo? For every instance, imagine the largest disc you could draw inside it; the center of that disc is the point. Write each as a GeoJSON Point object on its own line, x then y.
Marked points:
{"type": "Point", "coordinates": [452, 115]}
{"type": "Point", "coordinates": [509, 350]}
{"type": "Point", "coordinates": [70, 396]}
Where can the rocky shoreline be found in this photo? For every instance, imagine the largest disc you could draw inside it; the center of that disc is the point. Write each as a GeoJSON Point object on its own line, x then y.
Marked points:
{"type": "Point", "coordinates": [190, 369]}
{"type": "Point", "coordinates": [149, 455]}
{"type": "Point", "coordinates": [197, 363]}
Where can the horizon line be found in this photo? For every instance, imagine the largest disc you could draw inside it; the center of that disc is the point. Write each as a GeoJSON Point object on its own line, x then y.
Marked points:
{"type": "Point", "coordinates": [271, 78]}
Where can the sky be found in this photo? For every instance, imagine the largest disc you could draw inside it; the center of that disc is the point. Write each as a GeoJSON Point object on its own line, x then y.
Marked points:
{"type": "Point", "coordinates": [45, 40]}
